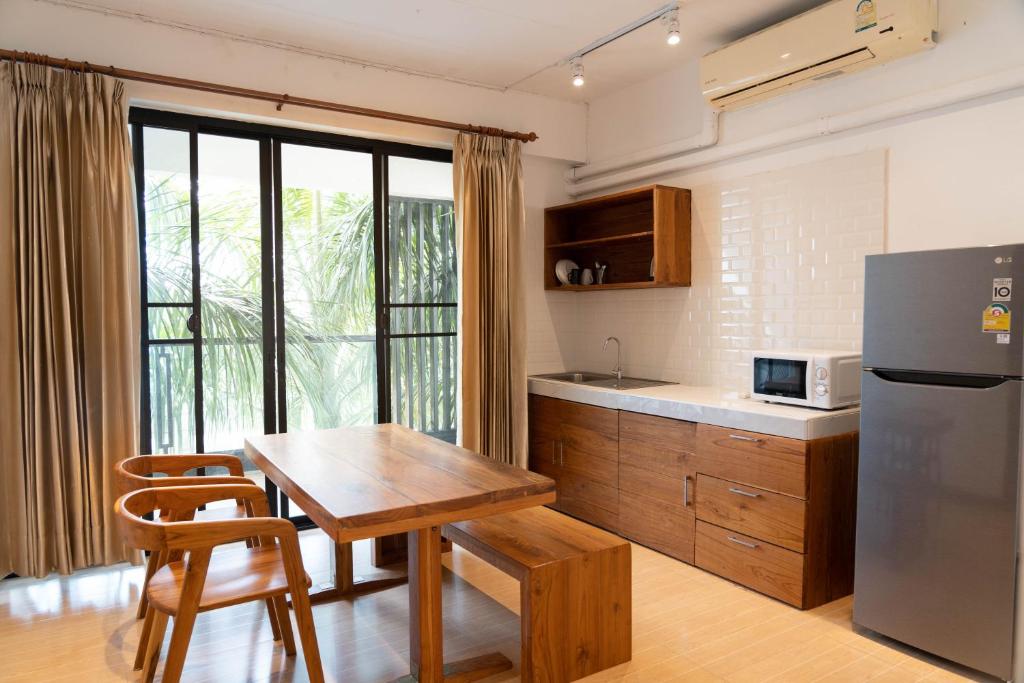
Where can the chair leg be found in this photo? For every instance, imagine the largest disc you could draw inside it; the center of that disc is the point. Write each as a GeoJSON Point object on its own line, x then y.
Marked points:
{"type": "Point", "coordinates": [151, 566]}
{"type": "Point", "coordinates": [272, 613]}
{"type": "Point", "coordinates": [185, 619]}
{"type": "Point", "coordinates": [284, 623]}
{"type": "Point", "coordinates": [154, 644]}
{"type": "Point", "coordinates": [144, 638]}
{"type": "Point", "coordinates": [300, 605]}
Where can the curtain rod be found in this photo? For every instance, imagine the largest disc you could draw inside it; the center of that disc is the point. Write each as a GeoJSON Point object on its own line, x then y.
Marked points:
{"type": "Point", "coordinates": [279, 99]}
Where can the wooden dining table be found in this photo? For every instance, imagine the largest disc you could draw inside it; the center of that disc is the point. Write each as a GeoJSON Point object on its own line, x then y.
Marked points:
{"type": "Point", "coordinates": [377, 480]}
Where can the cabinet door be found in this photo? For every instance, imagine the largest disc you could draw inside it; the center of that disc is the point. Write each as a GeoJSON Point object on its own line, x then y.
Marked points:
{"type": "Point", "coordinates": [544, 441]}
{"type": "Point", "coordinates": [589, 459]}
{"type": "Point", "coordinates": [544, 430]}
{"type": "Point", "coordinates": [657, 483]}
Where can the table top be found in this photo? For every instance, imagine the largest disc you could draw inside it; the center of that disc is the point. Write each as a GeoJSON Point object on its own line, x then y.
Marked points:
{"type": "Point", "coordinates": [363, 482]}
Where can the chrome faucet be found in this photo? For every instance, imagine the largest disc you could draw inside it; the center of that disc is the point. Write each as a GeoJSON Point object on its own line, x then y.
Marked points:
{"type": "Point", "coordinates": [618, 356]}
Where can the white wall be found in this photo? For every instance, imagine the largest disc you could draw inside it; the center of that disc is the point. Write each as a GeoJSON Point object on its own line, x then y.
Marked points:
{"type": "Point", "coordinates": [550, 316]}
{"type": "Point", "coordinates": [777, 263]}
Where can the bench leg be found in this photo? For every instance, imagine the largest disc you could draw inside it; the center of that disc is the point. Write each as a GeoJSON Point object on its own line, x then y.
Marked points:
{"type": "Point", "coordinates": [577, 617]}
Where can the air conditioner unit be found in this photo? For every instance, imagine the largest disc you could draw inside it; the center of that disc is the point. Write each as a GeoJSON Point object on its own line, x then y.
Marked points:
{"type": "Point", "coordinates": [837, 38]}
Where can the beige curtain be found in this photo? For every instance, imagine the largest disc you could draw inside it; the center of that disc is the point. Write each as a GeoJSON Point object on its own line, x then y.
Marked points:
{"type": "Point", "coordinates": [69, 317]}
{"type": "Point", "coordinates": [489, 214]}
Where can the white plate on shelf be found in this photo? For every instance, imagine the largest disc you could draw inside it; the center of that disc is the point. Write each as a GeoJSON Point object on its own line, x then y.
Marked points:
{"type": "Point", "coordinates": [562, 269]}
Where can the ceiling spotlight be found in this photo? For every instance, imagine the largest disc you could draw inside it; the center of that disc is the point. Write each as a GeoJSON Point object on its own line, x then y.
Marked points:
{"type": "Point", "coordinates": [577, 73]}
{"type": "Point", "coordinates": [672, 21]}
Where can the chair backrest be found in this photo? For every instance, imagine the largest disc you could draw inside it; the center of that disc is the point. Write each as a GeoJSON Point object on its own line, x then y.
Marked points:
{"type": "Point", "coordinates": [173, 526]}
{"type": "Point", "coordinates": [136, 472]}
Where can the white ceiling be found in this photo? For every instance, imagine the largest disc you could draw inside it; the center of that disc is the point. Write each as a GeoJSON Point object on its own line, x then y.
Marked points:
{"type": "Point", "coordinates": [494, 43]}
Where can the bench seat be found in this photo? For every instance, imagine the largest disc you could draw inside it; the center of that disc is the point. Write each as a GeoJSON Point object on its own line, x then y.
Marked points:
{"type": "Point", "coordinates": [576, 588]}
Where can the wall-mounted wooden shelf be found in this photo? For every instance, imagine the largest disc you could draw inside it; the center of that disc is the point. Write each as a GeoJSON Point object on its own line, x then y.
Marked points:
{"type": "Point", "coordinates": [650, 284]}
{"type": "Point", "coordinates": [626, 231]}
{"type": "Point", "coordinates": [613, 239]}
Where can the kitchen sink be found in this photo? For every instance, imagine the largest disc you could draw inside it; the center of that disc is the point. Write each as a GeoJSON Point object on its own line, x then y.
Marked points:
{"type": "Point", "coordinates": [605, 381]}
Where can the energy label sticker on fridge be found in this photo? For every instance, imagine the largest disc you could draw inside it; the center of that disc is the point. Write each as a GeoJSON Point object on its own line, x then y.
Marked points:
{"type": "Point", "coordinates": [1002, 338]}
{"type": "Point", "coordinates": [1002, 288]}
{"type": "Point", "coordinates": [995, 318]}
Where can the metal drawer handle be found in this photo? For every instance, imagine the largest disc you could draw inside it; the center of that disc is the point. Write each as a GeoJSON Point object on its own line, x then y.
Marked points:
{"type": "Point", "coordinates": [561, 453]}
{"type": "Point", "coordinates": [740, 492]}
{"type": "Point", "coordinates": [686, 491]}
{"type": "Point", "coordinates": [740, 437]}
{"type": "Point", "coordinates": [553, 457]}
{"type": "Point", "coordinates": [745, 544]}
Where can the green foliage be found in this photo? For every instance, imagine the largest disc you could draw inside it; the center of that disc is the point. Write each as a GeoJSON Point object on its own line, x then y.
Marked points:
{"type": "Point", "coordinates": [329, 310]}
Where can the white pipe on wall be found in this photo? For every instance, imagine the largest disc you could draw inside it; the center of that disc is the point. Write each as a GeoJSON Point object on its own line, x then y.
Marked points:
{"type": "Point", "coordinates": [610, 176]}
{"type": "Point", "coordinates": [707, 137]}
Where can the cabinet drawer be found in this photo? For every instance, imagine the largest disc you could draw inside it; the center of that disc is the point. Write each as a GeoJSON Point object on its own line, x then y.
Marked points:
{"type": "Point", "coordinates": [665, 527]}
{"type": "Point", "coordinates": [768, 462]}
{"type": "Point", "coordinates": [751, 562]}
{"type": "Point", "coordinates": [762, 514]}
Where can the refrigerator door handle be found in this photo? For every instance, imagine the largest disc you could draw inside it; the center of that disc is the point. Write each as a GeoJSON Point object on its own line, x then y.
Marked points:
{"type": "Point", "coordinates": [938, 378]}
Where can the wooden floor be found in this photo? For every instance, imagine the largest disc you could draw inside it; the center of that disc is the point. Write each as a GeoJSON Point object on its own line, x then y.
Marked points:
{"type": "Point", "coordinates": [688, 626]}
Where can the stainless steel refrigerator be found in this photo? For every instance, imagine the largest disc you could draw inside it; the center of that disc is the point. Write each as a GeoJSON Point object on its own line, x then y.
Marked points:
{"type": "Point", "coordinates": [938, 508]}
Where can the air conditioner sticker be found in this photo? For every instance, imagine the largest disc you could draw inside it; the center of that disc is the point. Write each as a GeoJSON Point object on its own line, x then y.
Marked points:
{"type": "Point", "coordinates": [867, 16]}
{"type": "Point", "coordinates": [995, 318]}
{"type": "Point", "coordinates": [1002, 288]}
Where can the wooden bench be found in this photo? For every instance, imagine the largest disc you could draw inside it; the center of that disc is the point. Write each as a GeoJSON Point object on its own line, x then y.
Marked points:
{"type": "Point", "coordinates": [576, 587]}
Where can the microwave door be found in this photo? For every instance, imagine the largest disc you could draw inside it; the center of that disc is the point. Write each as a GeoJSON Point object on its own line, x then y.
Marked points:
{"type": "Point", "coordinates": [784, 378]}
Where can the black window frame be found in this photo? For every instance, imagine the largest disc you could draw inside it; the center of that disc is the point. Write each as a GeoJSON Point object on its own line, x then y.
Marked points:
{"type": "Point", "coordinates": [270, 138]}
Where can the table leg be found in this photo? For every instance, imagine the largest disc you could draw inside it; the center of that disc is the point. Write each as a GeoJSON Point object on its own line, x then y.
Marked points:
{"type": "Point", "coordinates": [346, 584]}
{"type": "Point", "coordinates": [426, 635]}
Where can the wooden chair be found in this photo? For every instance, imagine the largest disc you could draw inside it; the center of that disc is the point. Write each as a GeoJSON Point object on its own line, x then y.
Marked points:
{"type": "Point", "coordinates": [137, 473]}
{"type": "Point", "coordinates": [195, 579]}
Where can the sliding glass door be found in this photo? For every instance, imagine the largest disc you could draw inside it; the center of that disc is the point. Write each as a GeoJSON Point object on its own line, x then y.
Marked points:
{"type": "Point", "coordinates": [291, 281]}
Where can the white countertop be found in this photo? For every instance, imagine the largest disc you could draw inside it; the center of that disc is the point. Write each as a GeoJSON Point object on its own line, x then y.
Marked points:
{"type": "Point", "coordinates": [710, 406]}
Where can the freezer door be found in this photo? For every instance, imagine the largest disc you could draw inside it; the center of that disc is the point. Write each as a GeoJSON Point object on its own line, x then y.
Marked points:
{"type": "Point", "coordinates": [924, 311]}
{"type": "Point", "coordinates": [937, 518]}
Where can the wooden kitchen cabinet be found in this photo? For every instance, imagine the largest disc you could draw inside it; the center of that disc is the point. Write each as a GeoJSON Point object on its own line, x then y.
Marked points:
{"type": "Point", "coordinates": [577, 445]}
{"type": "Point", "coordinates": [657, 483]}
{"type": "Point", "coordinates": [771, 513]}
{"type": "Point", "coordinates": [642, 235]}
{"type": "Point", "coordinates": [776, 514]}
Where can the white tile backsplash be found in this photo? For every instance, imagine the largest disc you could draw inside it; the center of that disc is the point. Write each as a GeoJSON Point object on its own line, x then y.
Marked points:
{"type": "Point", "coordinates": [778, 262]}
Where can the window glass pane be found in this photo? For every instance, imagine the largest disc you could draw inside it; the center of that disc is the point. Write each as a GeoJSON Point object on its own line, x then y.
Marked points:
{"type": "Point", "coordinates": [169, 323]}
{"type": "Point", "coordinates": [423, 319]}
{"type": "Point", "coordinates": [329, 288]}
{"type": "Point", "coordinates": [172, 407]}
{"type": "Point", "coordinates": [168, 216]}
{"type": "Point", "coordinates": [421, 225]}
{"type": "Point", "coordinates": [230, 281]}
{"type": "Point", "coordinates": [423, 384]}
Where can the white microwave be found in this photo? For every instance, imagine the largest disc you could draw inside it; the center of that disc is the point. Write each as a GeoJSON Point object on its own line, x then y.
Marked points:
{"type": "Point", "coordinates": [816, 379]}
